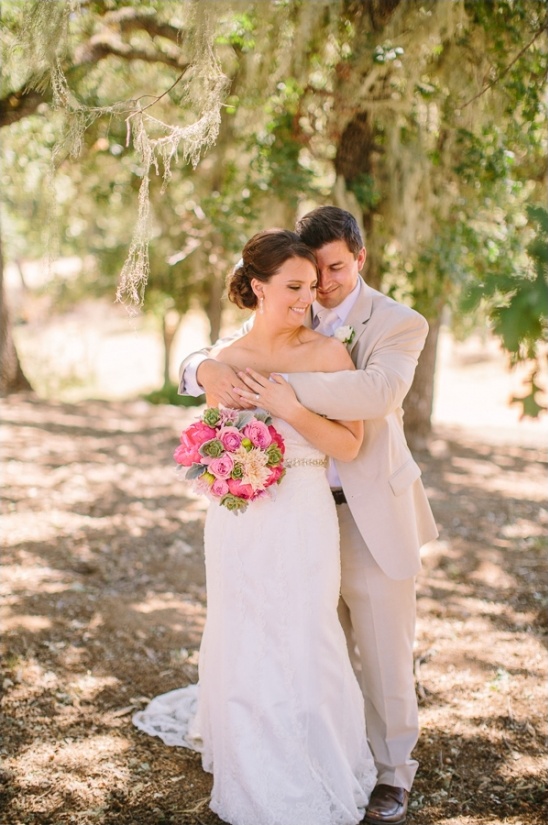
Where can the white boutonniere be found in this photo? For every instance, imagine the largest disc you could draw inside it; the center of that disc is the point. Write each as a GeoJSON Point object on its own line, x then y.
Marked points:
{"type": "Point", "coordinates": [345, 334]}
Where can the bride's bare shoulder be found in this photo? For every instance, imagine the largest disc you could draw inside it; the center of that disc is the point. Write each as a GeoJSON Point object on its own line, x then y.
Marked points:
{"type": "Point", "coordinates": [229, 350]}
{"type": "Point", "coordinates": [331, 353]}
{"type": "Point", "coordinates": [218, 353]}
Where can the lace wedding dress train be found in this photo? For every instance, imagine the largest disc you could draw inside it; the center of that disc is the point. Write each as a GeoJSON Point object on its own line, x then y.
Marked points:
{"type": "Point", "coordinates": [278, 714]}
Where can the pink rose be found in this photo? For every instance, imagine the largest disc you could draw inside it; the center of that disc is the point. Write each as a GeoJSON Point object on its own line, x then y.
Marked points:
{"type": "Point", "coordinates": [230, 438]}
{"type": "Point", "coordinates": [258, 433]}
{"type": "Point", "coordinates": [277, 438]}
{"type": "Point", "coordinates": [237, 488]}
{"type": "Point", "coordinates": [219, 488]}
{"type": "Point", "coordinates": [221, 467]}
{"type": "Point", "coordinates": [191, 439]}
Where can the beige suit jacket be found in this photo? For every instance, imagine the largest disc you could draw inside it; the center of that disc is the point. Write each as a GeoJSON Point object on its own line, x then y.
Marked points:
{"type": "Point", "coordinates": [382, 484]}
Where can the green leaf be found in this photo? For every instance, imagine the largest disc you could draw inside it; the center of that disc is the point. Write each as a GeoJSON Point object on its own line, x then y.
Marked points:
{"type": "Point", "coordinates": [195, 471]}
{"type": "Point", "coordinates": [530, 407]}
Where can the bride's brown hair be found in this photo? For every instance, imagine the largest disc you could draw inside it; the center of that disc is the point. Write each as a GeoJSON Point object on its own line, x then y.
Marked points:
{"type": "Point", "coordinates": [262, 257]}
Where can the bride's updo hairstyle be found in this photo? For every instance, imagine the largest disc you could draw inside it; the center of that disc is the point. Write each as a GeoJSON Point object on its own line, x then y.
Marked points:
{"type": "Point", "coordinates": [262, 257]}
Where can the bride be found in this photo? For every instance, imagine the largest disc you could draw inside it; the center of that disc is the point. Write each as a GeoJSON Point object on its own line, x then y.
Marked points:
{"type": "Point", "coordinates": [279, 715]}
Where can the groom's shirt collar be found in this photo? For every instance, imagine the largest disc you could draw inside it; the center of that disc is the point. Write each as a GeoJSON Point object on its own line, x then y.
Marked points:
{"type": "Point", "coordinates": [344, 308]}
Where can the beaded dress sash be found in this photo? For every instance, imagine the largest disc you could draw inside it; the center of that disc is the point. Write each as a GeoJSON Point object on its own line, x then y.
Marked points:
{"type": "Point", "coordinates": [305, 462]}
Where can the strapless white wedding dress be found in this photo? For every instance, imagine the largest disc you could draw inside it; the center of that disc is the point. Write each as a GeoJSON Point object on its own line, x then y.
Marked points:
{"type": "Point", "coordinates": [278, 714]}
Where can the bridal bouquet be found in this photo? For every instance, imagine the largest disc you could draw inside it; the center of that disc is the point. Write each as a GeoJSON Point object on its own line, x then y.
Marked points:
{"type": "Point", "coordinates": [233, 456]}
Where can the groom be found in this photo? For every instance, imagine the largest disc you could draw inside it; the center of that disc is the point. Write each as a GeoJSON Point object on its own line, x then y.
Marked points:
{"type": "Point", "coordinates": [384, 515]}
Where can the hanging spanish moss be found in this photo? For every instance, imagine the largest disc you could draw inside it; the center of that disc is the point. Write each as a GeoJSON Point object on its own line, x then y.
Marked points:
{"type": "Point", "coordinates": [201, 87]}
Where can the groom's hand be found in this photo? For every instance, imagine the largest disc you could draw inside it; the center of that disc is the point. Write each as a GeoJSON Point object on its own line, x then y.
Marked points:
{"type": "Point", "coordinates": [221, 382]}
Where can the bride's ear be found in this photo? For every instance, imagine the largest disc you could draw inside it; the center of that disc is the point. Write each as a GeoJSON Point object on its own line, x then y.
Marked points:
{"type": "Point", "coordinates": [257, 288]}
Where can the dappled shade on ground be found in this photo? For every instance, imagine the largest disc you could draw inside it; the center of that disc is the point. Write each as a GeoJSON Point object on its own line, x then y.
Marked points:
{"type": "Point", "coordinates": [104, 603]}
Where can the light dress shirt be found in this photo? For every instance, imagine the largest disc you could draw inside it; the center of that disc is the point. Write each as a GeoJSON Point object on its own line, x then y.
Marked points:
{"type": "Point", "coordinates": [190, 383]}
{"type": "Point", "coordinates": [192, 387]}
{"type": "Point", "coordinates": [342, 312]}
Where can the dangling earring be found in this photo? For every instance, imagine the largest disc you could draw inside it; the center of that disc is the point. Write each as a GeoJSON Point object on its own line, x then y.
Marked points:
{"type": "Point", "coordinates": [261, 304]}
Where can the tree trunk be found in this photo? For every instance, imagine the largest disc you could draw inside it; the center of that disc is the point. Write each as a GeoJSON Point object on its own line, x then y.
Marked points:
{"type": "Point", "coordinates": [354, 160]}
{"type": "Point", "coordinates": [171, 321]}
{"type": "Point", "coordinates": [355, 157]}
{"type": "Point", "coordinates": [12, 377]}
{"type": "Point", "coordinates": [214, 308]}
{"type": "Point", "coordinates": [419, 401]}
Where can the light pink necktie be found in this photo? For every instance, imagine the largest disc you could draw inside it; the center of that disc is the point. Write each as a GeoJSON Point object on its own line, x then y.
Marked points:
{"type": "Point", "coordinates": [328, 319]}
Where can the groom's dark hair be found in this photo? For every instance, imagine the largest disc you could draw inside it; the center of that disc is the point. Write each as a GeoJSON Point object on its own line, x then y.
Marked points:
{"type": "Point", "coordinates": [327, 224]}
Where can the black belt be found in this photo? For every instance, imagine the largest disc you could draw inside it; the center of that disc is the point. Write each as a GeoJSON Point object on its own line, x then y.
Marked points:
{"type": "Point", "coordinates": [339, 496]}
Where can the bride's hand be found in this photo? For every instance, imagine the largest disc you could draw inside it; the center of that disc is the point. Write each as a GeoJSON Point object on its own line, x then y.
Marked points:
{"type": "Point", "coordinates": [274, 394]}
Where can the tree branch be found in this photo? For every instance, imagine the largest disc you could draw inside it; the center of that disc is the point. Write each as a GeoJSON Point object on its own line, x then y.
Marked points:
{"type": "Point", "coordinates": [167, 91]}
{"type": "Point", "coordinates": [100, 47]}
{"type": "Point", "coordinates": [505, 70]}
{"type": "Point", "coordinates": [130, 19]}
{"type": "Point", "coordinates": [17, 105]}
{"type": "Point", "coordinates": [23, 102]}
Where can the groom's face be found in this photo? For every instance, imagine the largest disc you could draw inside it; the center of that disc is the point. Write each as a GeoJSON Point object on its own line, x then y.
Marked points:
{"type": "Point", "coordinates": [339, 269]}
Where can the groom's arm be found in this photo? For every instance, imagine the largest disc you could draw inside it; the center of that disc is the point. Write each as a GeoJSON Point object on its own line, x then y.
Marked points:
{"type": "Point", "coordinates": [200, 374]}
{"type": "Point", "coordinates": [374, 389]}
{"type": "Point", "coordinates": [188, 373]}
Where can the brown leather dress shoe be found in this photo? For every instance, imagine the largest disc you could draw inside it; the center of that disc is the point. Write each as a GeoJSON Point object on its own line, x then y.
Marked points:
{"type": "Point", "coordinates": [387, 805]}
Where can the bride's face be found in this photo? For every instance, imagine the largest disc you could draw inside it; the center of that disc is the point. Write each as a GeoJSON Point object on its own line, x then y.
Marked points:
{"type": "Point", "coordinates": [290, 292]}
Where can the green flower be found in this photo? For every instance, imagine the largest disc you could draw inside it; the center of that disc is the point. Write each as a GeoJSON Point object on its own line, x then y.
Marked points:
{"type": "Point", "coordinates": [237, 505]}
{"type": "Point", "coordinates": [213, 448]}
{"type": "Point", "coordinates": [237, 471]}
{"type": "Point", "coordinates": [211, 416]}
{"type": "Point", "coordinates": [247, 444]}
{"type": "Point", "coordinates": [274, 455]}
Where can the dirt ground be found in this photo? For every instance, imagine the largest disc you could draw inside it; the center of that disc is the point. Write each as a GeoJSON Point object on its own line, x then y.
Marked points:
{"type": "Point", "coordinates": [104, 603]}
